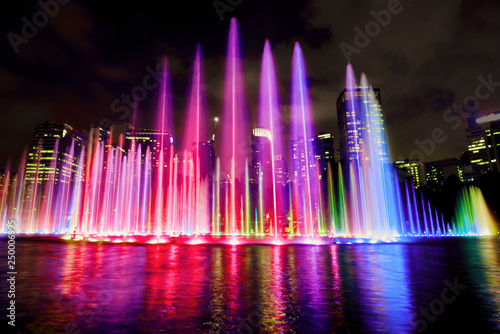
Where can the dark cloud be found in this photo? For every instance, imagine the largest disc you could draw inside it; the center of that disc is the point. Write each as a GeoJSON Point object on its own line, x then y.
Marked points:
{"type": "Point", "coordinates": [428, 58]}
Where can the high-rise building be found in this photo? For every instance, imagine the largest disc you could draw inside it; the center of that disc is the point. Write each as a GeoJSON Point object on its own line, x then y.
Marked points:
{"type": "Point", "coordinates": [324, 153]}
{"type": "Point", "coordinates": [54, 154]}
{"type": "Point", "coordinates": [299, 147]}
{"type": "Point", "coordinates": [321, 154]}
{"type": "Point", "coordinates": [354, 108]}
{"type": "Point", "coordinates": [152, 139]}
{"type": "Point", "coordinates": [281, 167]}
{"type": "Point", "coordinates": [261, 178]}
{"type": "Point", "coordinates": [438, 171]}
{"type": "Point", "coordinates": [483, 137]}
{"type": "Point", "coordinates": [97, 135]}
{"type": "Point", "coordinates": [261, 158]}
{"type": "Point", "coordinates": [207, 159]}
{"type": "Point", "coordinates": [465, 168]}
{"type": "Point", "coordinates": [413, 169]}
{"type": "Point", "coordinates": [261, 162]}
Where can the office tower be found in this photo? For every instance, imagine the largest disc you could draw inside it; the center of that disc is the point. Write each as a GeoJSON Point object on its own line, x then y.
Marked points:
{"type": "Point", "coordinates": [298, 155]}
{"type": "Point", "coordinates": [324, 153]}
{"type": "Point", "coordinates": [97, 136]}
{"type": "Point", "coordinates": [261, 154]}
{"type": "Point", "coordinates": [207, 159]}
{"type": "Point", "coordinates": [465, 168]}
{"type": "Point", "coordinates": [261, 179]}
{"type": "Point", "coordinates": [261, 158]}
{"type": "Point", "coordinates": [282, 174]}
{"type": "Point", "coordinates": [413, 169]}
{"type": "Point", "coordinates": [320, 156]}
{"type": "Point", "coordinates": [355, 107]}
{"type": "Point", "coordinates": [260, 175]}
{"type": "Point", "coordinates": [152, 139]}
{"type": "Point", "coordinates": [483, 137]}
{"type": "Point", "coordinates": [53, 155]}
{"type": "Point", "coordinates": [436, 172]}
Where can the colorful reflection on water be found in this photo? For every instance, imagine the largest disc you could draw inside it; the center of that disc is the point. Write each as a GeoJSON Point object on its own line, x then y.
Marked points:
{"type": "Point", "coordinates": [124, 288]}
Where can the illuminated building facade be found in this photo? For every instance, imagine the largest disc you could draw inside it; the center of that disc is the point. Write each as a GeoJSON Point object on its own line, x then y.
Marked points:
{"type": "Point", "coordinates": [413, 169]}
{"type": "Point", "coordinates": [207, 159]}
{"type": "Point", "coordinates": [261, 154]}
{"type": "Point", "coordinates": [324, 153]}
{"type": "Point", "coordinates": [299, 158]}
{"type": "Point", "coordinates": [54, 154]}
{"type": "Point", "coordinates": [436, 172]}
{"type": "Point", "coordinates": [97, 135]}
{"type": "Point", "coordinates": [282, 174]}
{"type": "Point", "coordinates": [152, 139]}
{"type": "Point", "coordinates": [483, 139]}
{"type": "Point", "coordinates": [354, 107]}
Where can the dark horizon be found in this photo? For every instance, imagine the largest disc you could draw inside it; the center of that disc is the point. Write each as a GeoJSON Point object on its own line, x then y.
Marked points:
{"type": "Point", "coordinates": [87, 55]}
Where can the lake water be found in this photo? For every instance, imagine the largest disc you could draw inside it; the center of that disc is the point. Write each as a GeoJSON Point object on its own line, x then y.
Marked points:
{"type": "Point", "coordinates": [435, 286]}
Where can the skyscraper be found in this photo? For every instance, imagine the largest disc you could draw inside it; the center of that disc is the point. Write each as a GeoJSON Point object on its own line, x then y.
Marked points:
{"type": "Point", "coordinates": [97, 136]}
{"type": "Point", "coordinates": [355, 107]}
{"type": "Point", "coordinates": [153, 140]}
{"type": "Point", "coordinates": [436, 172]}
{"type": "Point", "coordinates": [261, 154]}
{"type": "Point", "coordinates": [54, 154]}
{"type": "Point", "coordinates": [261, 180]}
{"type": "Point", "coordinates": [413, 169]}
{"type": "Point", "coordinates": [282, 174]}
{"type": "Point", "coordinates": [483, 137]}
{"type": "Point", "coordinates": [320, 156]}
{"type": "Point", "coordinates": [299, 158]}
{"type": "Point", "coordinates": [324, 153]}
{"type": "Point", "coordinates": [207, 159]}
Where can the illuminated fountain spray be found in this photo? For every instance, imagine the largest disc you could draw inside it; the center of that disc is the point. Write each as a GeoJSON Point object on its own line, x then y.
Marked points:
{"type": "Point", "coordinates": [164, 181]}
{"type": "Point", "coordinates": [270, 120]}
{"type": "Point", "coordinates": [472, 216]}
{"type": "Point", "coordinates": [123, 193]}
{"type": "Point", "coordinates": [234, 147]}
{"type": "Point", "coordinates": [375, 205]}
{"type": "Point", "coordinates": [195, 188]}
{"type": "Point", "coordinates": [306, 192]}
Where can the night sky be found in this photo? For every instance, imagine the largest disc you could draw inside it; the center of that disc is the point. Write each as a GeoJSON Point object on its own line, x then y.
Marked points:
{"type": "Point", "coordinates": [427, 59]}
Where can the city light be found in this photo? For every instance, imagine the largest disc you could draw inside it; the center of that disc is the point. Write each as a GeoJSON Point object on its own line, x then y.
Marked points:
{"type": "Point", "coordinates": [135, 185]}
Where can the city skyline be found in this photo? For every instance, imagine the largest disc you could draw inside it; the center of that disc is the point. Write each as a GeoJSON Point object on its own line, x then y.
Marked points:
{"type": "Point", "coordinates": [418, 90]}
{"type": "Point", "coordinates": [238, 183]}
{"type": "Point", "coordinates": [466, 167]}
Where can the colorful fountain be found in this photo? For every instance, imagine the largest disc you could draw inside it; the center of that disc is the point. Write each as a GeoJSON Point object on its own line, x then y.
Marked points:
{"type": "Point", "coordinates": [178, 191]}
